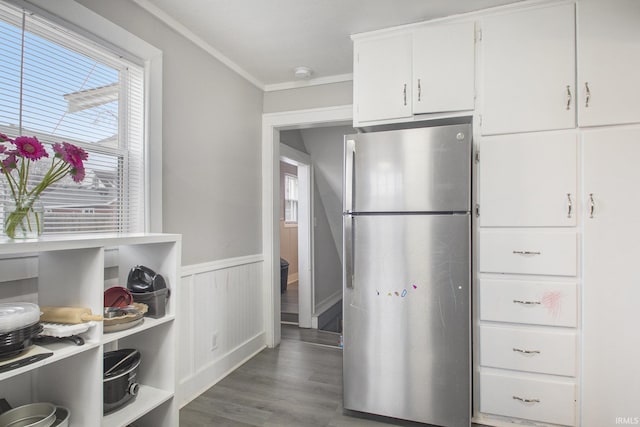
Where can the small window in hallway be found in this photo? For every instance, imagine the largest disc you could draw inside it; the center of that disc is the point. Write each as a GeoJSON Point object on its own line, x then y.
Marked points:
{"type": "Point", "coordinates": [291, 199]}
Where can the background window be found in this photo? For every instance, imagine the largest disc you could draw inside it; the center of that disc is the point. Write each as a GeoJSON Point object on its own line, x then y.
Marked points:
{"type": "Point", "coordinates": [60, 86]}
{"type": "Point", "coordinates": [290, 199]}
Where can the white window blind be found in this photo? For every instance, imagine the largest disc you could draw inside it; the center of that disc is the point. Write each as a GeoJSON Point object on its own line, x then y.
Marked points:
{"type": "Point", "coordinates": [290, 198]}
{"type": "Point", "coordinates": [60, 86]}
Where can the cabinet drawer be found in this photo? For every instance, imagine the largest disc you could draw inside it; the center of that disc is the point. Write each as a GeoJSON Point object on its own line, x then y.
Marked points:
{"type": "Point", "coordinates": [551, 401]}
{"type": "Point", "coordinates": [546, 352]}
{"type": "Point", "coordinates": [528, 252]}
{"type": "Point", "coordinates": [538, 303]}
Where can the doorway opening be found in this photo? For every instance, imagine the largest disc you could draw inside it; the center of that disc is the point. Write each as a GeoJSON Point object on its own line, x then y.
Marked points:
{"type": "Point", "coordinates": [273, 124]}
{"type": "Point", "coordinates": [295, 233]}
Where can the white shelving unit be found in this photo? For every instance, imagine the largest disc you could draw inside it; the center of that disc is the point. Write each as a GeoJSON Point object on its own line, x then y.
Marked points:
{"type": "Point", "coordinates": [70, 271]}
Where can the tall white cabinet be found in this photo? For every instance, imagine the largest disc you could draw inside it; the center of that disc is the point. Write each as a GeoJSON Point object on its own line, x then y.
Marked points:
{"type": "Point", "coordinates": [70, 271]}
{"type": "Point", "coordinates": [557, 130]}
{"type": "Point", "coordinates": [611, 291]}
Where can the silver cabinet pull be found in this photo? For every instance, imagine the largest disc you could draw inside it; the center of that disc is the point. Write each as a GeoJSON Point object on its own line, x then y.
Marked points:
{"type": "Point", "coordinates": [592, 205]}
{"type": "Point", "coordinates": [404, 94]}
{"type": "Point", "coordinates": [419, 91]}
{"type": "Point", "coordinates": [527, 352]}
{"type": "Point", "coordinates": [588, 92]}
{"type": "Point", "coordinates": [517, 301]}
{"type": "Point", "coordinates": [568, 97]}
{"type": "Point", "coordinates": [526, 400]}
{"type": "Point", "coordinates": [527, 252]}
{"type": "Point", "coordinates": [569, 205]}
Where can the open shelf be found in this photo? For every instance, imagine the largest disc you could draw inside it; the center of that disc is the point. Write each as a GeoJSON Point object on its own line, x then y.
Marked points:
{"type": "Point", "coordinates": [148, 398]}
{"type": "Point", "coordinates": [74, 271]}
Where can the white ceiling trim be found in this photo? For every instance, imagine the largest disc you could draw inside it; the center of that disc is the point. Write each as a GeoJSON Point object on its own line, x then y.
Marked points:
{"type": "Point", "coordinates": [184, 31]}
{"type": "Point", "coordinates": [338, 78]}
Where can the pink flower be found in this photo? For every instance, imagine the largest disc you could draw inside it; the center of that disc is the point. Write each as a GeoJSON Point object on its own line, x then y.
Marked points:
{"type": "Point", "coordinates": [77, 174]}
{"type": "Point", "coordinates": [5, 138]}
{"type": "Point", "coordinates": [30, 148]}
{"type": "Point", "coordinates": [2, 148]}
{"type": "Point", "coordinates": [72, 155]}
{"type": "Point", "coordinates": [10, 162]}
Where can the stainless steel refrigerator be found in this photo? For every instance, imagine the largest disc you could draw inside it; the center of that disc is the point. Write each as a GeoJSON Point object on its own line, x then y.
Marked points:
{"type": "Point", "coordinates": [406, 275]}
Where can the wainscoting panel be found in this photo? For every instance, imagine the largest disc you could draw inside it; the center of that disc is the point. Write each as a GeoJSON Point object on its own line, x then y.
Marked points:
{"type": "Point", "coordinates": [220, 320]}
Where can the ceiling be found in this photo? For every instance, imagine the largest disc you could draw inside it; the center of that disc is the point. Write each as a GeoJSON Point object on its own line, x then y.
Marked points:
{"type": "Point", "coordinates": [264, 40]}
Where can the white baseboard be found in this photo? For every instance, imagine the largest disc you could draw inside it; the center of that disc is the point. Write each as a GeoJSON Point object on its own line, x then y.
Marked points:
{"type": "Point", "coordinates": [293, 277]}
{"type": "Point", "coordinates": [208, 375]}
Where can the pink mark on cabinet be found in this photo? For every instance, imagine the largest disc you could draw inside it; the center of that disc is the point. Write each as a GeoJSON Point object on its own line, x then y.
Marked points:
{"type": "Point", "coordinates": [552, 301]}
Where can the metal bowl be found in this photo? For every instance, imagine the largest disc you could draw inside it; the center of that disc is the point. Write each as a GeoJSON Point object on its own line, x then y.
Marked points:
{"type": "Point", "coordinates": [31, 415]}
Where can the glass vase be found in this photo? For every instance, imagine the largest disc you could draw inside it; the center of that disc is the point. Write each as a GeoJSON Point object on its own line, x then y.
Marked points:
{"type": "Point", "coordinates": [24, 219]}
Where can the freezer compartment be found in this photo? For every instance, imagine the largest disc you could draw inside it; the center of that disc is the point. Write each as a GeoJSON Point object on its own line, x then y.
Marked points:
{"type": "Point", "coordinates": [411, 170]}
{"type": "Point", "coordinates": [407, 318]}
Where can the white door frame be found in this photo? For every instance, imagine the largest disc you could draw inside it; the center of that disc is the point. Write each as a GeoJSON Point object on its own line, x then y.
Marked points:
{"type": "Point", "coordinates": [305, 232]}
{"type": "Point", "coordinates": [272, 123]}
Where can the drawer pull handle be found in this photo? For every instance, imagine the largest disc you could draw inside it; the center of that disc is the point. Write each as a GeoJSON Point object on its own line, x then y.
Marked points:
{"type": "Point", "coordinates": [526, 400]}
{"type": "Point", "coordinates": [527, 352]}
{"type": "Point", "coordinates": [517, 301]}
{"type": "Point", "coordinates": [527, 252]}
{"type": "Point", "coordinates": [569, 205]}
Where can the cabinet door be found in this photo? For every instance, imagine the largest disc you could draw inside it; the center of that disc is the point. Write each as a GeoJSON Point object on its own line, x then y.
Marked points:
{"type": "Point", "coordinates": [382, 78]}
{"type": "Point", "coordinates": [443, 68]}
{"type": "Point", "coordinates": [528, 180]}
{"type": "Point", "coordinates": [608, 62]}
{"type": "Point", "coordinates": [611, 291]}
{"type": "Point", "coordinates": [528, 70]}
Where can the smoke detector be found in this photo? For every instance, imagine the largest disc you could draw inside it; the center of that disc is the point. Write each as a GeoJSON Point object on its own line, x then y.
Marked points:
{"type": "Point", "coordinates": [302, 73]}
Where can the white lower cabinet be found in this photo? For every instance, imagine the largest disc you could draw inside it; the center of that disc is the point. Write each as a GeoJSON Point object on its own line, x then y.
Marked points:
{"type": "Point", "coordinates": [527, 326]}
{"type": "Point", "coordinates": [529, 302]}
{"type": "Point", "coordinates": [611, 295]}
{"type": "Point", "coordinates": [74, 271]}
{"type": "Point", "coordinates": [521, 349]}
{"type": "Point", "coordinates": [523, 251]}
{"type": "Point", "coordinates": [545, 399]}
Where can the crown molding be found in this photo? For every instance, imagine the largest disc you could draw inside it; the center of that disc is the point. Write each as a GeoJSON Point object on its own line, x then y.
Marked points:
{"type": "Point", "coordinates": [184, 31]}
{"type": "Point", "coordinates": [338, 78]}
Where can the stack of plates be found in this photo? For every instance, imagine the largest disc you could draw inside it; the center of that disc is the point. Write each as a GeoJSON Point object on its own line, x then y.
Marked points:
{"type": "Point", "coordinates": [13, 343]}
{"type": "Point", "coordinates": [19, 324]}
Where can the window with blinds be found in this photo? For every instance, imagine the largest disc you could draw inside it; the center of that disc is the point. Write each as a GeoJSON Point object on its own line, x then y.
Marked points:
{"type": "Point", "coordinates": [290, 199]}
{"type": "Point", "coordinates": [60, 86]}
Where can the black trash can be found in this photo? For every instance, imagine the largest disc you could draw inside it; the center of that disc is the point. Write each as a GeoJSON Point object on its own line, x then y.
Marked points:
{"type": "Point", "coordinates": [284, 274]}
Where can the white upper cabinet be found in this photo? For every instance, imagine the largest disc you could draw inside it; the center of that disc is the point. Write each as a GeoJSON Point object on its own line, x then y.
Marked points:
{"type": "Point", "coordinates": [528, 72]}
{"type": "Point", "coordinates": [429, 69]}
{"type": "Point", "coordinates": [528, 180]}
{"type": "Point", "coordinates": [443, 68]}
{"type": "Point", "coordinates": [382, 78]}
{"type": "Point", "coordinates": [608, 62]}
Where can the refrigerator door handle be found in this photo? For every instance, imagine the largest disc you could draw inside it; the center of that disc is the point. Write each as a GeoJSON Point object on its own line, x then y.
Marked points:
{"type": "Point", "coordinates": [348, 251]}
{"type": "Point", "coordinates": [349, 168]}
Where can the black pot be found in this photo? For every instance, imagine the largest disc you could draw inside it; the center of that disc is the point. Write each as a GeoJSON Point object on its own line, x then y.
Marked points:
{"type": "Point", "coordinates": [119, 382]}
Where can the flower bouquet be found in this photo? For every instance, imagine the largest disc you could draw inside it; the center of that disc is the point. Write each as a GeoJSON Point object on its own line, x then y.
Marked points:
{"type": "Point", "coordinates": [24, 218]}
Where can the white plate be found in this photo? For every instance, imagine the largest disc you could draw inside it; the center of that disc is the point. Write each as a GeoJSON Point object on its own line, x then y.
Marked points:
{"type": "Point", "coordinates": [17, 315]}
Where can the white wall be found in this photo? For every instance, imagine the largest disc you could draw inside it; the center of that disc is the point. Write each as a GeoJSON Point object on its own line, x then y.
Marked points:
{"type": "Point", "coordinates": [211, 136]}
{"type": "Point", "coordinates": [325, 145]}
{"type": "Point", "coordinates": [329, 95]}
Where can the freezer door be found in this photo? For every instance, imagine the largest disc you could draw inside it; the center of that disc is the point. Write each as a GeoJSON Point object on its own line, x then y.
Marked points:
{"type": "Point", "coordinates": [412, 170]}
{"type": "Point", "coordinates": [407, 318]}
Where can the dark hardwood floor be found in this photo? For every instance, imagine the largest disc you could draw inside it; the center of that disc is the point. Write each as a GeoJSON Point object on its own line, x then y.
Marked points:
{"type": "Point", "coordinates": [299, 383]}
